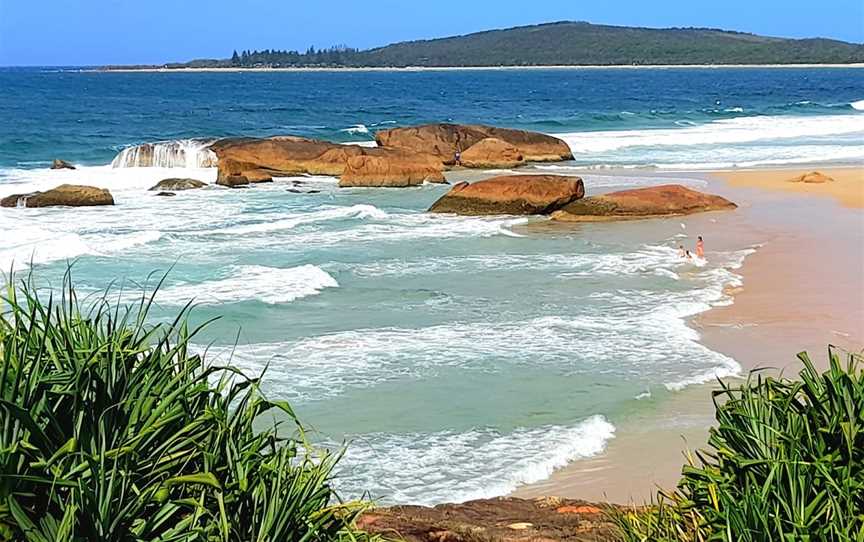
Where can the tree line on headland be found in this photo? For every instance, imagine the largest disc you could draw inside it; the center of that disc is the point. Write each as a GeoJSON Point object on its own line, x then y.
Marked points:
{"type": "Point", "coordinates": [559, 44]}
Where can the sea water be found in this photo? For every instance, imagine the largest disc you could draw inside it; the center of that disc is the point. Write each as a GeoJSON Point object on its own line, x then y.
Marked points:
{"type": "Point", "coordinates": [458, 357]}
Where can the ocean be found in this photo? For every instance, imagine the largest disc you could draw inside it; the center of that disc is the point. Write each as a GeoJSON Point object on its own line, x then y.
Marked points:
{"type": "Point", "coordinates": [458, 357]}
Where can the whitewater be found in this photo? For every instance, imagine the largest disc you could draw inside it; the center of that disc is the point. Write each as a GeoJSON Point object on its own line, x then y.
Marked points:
{"type": "Point", "coordinates": [457, 357]}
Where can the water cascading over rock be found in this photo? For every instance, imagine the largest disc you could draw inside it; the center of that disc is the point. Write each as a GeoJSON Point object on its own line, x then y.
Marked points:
{"type": "Point", "coordinates": [184, 153]}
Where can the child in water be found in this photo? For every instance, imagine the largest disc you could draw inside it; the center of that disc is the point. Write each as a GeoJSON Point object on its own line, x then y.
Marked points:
{"type": "Point", "coordinates": [700, 248]}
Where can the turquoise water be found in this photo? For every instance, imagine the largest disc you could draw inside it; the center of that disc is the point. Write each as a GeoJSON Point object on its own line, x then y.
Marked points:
{"type": "Point", "coordinates": [460, 357]}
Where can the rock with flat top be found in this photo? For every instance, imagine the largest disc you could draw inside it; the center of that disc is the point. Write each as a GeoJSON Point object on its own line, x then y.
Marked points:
{"type": "Point", "coordinates": [384, 167]}
{"type": "Point", "coordinates": [492, 153]}
{"type": "Point", "coordinates": [814, 177]}
{"type": "Point", "coordinates": [651, 202]}
{"type": "Point", "coordinates": [445, 140]}
{"type": "Point", "coordinates": [69, 195]}
{"type": "Point", "coordinates": [176, 185]}
{"type": "Point", "coordinates": [511, 195]}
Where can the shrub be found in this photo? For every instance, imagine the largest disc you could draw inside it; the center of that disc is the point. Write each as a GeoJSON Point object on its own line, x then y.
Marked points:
{"type": "Point", "coordinates": [112, 430]}
{"type": "Point", "coordinates": [785, 462]}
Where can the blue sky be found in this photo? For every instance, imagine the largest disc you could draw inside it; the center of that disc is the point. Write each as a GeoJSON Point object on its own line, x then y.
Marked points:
{"type": "Point", "coordinates": [79, 32]}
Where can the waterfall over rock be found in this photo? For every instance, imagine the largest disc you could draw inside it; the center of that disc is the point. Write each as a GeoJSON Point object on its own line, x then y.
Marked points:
{"type": "Point", "coordinates": [185, 153]}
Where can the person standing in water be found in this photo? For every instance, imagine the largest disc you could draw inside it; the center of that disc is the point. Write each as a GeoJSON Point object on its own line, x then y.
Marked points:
{"type": "Point", "coordinates": [700, 248]}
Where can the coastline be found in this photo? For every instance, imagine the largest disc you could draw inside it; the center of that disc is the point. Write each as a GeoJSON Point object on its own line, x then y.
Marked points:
{"type": "Point", "coordinates": [467, 68]}
{"type": "Point", "coordinates": [795, 295]}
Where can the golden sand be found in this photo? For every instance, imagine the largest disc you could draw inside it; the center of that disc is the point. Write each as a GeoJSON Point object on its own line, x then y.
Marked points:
{"type": "Point", "coordinates": [847, 185]}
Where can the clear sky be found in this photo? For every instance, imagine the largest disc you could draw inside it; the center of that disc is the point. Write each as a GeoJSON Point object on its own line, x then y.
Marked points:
{"type": "Point", "coordinates": [82, 32]}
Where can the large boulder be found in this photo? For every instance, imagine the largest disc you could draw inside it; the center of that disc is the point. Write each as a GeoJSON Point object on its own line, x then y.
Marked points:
{"type": "Point", "coordinates": [283, 156]}
{"type": "Point", "coordinates": [175, 185]}
{"type": "Point", "coordinates": [70, 195]}
{"type": "Point", "coordinates": [491, 153]}
{"type": "Point", "coordinates": [61, 164]}
{"type": "Point", "coordinates": [654, 201]}
{"type": "Point", "coordinates": [230, 169]}
{"type": "Point", "coordinates": [391, 168]}
{"type": "Point", "coordinates": [511, 195]}
{"type": "Point", "coordinates": [445, 140]}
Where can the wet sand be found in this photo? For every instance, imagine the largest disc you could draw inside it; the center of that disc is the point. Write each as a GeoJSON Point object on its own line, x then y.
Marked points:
{"type": "Point", "coordinates": [803, 289]}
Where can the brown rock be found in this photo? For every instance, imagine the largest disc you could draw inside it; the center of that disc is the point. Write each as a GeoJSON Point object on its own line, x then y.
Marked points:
{"type": "Point", "coordinates": [512, 195]}
{"type": "Point", "coordinates": [491, 153]}
{"type": "Point", "coordinates": [166, 194]}
{"type": "Point", "coordinates": [251, 172]}
{"type": "Point", "coordinates": [284, 156]}
{"type": "Point", "coordinates": [391, 168]}
{"type": "Point", "coordinates": [61, 164]}
{"type": "Point", "coordinates": [233, 181]}
{"type": "Point", "coordinates": [504, 518]}
{"type": "Point", "coordinates": [582, 509]}
{"type": "Point", "coordinates": [70, 195]}
{"type": "Point", "coordinates": [813, 177]}
{"type": "Point", "coordinates": [655, 201]}
{"type": "Point", "coordinates": [174, 185]}
{"type": "Point", "coordinates": [444, 140]}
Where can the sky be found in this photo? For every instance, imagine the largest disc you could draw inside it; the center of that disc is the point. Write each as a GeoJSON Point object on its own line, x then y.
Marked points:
{"type": "Point", "coordinates": [96, 32]}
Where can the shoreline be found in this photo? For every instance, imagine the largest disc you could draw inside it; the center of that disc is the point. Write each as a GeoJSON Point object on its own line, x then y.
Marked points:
{"type": "Point", "coordinates": [794, 296]}
{"type": "Point", "coordinates": [155, 69]}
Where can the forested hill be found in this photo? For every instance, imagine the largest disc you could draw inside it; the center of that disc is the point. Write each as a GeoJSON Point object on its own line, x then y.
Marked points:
{"type": "Point", "coordinates": [567, 43]}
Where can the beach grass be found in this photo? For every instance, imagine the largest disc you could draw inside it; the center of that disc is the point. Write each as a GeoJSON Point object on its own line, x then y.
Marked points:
{"type": "Point", "coordinates": [784, 462]}
{"type": "Point", "coordinates": [112, 429]}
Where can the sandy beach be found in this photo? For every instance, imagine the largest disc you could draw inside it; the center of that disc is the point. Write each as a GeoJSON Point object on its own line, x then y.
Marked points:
{"type": "Point", "coordinates": [801, 291]}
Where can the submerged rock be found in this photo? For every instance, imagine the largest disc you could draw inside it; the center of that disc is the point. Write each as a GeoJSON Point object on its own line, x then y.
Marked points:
{"type": "Point", "coordinates": [814, 177]}
{"type": "Point", "coordinates": [654, 201]}
{"type": "Point", "coordinates": [69, 195]}
{"type": "Point", "coordinates": [504, 518]}
{"type": "Point", "coordinates": [61, 164]}
{"type": "Point", "coordinates": [445, 140]}
{"type": "Point", "coordinates": [166, 194]}
{"type": "Point", "coordinates": [384, 167]}
{"type": "Point", "coordinates": [511, 195]}
{"type": "Point", "coordinates": [178, 184]}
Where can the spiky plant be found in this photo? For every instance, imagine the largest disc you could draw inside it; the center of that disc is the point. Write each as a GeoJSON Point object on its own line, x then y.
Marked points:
{"type": "Point", "coordinates": [785, 462]}
{"type": "Point", "coordinates": [111, 429]}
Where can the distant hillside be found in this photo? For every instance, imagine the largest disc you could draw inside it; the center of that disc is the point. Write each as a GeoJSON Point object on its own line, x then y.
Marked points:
{"type": "Point", "coordinates": [567, 43]}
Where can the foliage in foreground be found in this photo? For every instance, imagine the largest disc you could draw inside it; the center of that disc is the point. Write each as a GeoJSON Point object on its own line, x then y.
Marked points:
{"type": "Point", "coordinates": [112, 430]}
{"type": "Point", "coordinates": [785, 462]}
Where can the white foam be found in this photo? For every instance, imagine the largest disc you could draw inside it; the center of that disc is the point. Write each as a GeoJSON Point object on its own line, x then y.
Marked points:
{"type": "Point", "coordinates": [269, 285]}
{"type": "Point", "coordinates": [322, 214]}
{"type": "Point", "coordinates": [356, 129]}
{"type": "Point", "coordinates": [718, 132]}
{"type": "Point", "coordinates": [37, 245]}
{"type": "Point", "coordinates": [183, 153]}
{"type": "Point", "coordinates": [859, 105]}
{"type": "Point", "coordinates": [447, 466]}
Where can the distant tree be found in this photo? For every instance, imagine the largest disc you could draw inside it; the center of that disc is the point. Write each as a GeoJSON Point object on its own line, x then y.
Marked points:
{"type": "Point", "coordinates": [235, 59]}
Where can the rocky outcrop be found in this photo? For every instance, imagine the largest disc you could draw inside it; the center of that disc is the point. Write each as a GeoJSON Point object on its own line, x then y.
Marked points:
{"type": "Point", "coordinates": [259, 160]}
{"type": "Point", "coordinates": [70, 195]}
{"type": "Point", "coordinates": [384, 167]}
{"type": "Point", "coordinates": [175, 185]}
{"type": "Point", "coordinates": [512, 195]}
{"type": "Point", "coordinates": [491, 153]}
{"type": "Point", "coordinates": [230, 170]}
{"type": "Point", "coordinates": [814, 177]}
{"type": "Point", "coordinates": [504, 518]}
{"type": "Point", "coordinates": [283, 156]}
{"type": "Point", "coordinates": [445, 140]}
{"type": "Point", "coordinates": [655, 201]}
{"type": "Point", "coordinates": [61, 164]}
